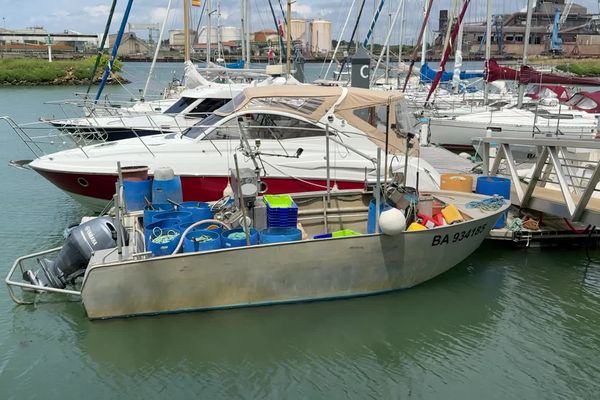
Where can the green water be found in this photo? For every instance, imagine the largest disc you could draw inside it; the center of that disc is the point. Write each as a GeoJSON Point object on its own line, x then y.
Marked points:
{"type": "Point", "coordinates": [504, 324]}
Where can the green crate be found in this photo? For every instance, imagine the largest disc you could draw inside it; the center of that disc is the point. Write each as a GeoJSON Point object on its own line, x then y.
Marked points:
{"type": "Point", "coordinates": [278, 200]}
{"type": "Point", "coordinates": [345, 232]}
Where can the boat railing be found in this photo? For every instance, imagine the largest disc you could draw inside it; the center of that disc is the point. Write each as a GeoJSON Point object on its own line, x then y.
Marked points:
{"type": "Point", "coordinates": [19, 265]}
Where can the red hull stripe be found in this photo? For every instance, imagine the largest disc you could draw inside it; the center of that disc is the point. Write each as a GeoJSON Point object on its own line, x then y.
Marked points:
{"type": "Point", "coordinates": [195, 188]}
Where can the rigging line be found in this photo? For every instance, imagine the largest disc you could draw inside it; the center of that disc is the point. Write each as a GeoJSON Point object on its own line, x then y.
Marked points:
{"type": "Point", "coordinates": [281, 44]}
{"type": "Point", "coordinates": [362, 6]}
{"type": "Point", "coordinates": [101, 47]}
{"type": "Point", "coordinates": [199, 21]}
{"type": "Point", "coordinates": [113, 55]}
{"type": "Point", "coordinates": [156, 51]}
{"type": "Point", "coordinates": [337, 46]}
{"type": "Point", "coordinates": [418, 44]}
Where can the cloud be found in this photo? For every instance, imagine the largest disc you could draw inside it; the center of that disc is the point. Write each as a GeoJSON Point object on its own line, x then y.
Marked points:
{"type": "Point", "coordinates": [97, 11]}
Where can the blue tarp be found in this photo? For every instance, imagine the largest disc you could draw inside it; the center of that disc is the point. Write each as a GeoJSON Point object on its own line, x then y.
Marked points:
{"type": "Point", "coordinates": [236, 65]}
{"type": "Point", "coordinates": [428, 74]}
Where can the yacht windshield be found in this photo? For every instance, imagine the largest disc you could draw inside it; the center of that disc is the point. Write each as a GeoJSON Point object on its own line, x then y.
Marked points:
{"type": "Point", "coordinates": [201, 127]}
{"type": "Point", "coordinates": [180, 105]}
{"type": "Point", "coordinates": [230, 107]}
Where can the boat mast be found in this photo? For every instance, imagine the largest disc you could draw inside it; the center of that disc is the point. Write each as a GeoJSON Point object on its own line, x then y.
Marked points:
{"type": "Point", "coordinates": [402, 24]}
{"type": "Point", "coordinates": [488, 48]}
{"type": "Point", "coordinates": [186, 30]}
{"type": "Point", "coordinates": [419, 39]}
{"type": "Point", "coordinates": [101, 47]}
{"type": "Point", "coordinates": [288, 38]}
{"type": "Point", "coordinates": [246, 12]}
{"type": "Point", "coordinates": [424, 34]}
{"type": "Point", "coordinates": [208, 32]}
{"type": "Point", "coordinates": [525, 49]}
{"type": "Point", "coordinates": [457, 57]}
{"type": "Point", "coordinates": [243, 30]}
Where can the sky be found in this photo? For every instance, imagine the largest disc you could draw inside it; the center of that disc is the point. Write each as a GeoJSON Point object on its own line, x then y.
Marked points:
{"type": "Point", "coordinates": [89, 16]}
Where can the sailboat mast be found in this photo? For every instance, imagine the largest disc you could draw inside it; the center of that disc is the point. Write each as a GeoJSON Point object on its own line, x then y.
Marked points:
{"type": "Point", "coordinates": [288, 37]}
{"type": "Point", "coordinates": [457, 57]}
{"type": "Point", "coordinates": [525, 48]}
{"type": "Point", "coordinates": [248, 47]}
{"type": "Point", "coordinates": [186, 30]}
{"type": "Point", "coordinates": [243, 30]}
{"type": "Point", "coordinates": [156, 51]}
{"type": "Point", "coordinates": [424, 33]}
{"type": "Point", "coordinates": [488, 47]}
{"type": "Point", "coordinates": [208, 32]}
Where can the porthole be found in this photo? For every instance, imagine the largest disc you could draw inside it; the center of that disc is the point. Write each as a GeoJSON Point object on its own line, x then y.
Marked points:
{"type": "Point", "coordinates": [83, 182]}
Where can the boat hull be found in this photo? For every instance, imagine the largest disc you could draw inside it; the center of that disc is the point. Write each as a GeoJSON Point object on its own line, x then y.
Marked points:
{"type": "Point", "coordinates": [97, 189]}
{"type": "Point", "coordinates": [279, 273]}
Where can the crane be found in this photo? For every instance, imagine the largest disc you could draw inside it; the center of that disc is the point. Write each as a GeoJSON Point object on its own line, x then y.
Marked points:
{"type": "Point", "coordinates": [555, 40]}
{"type": "Point", "coordinates": [566, 11]}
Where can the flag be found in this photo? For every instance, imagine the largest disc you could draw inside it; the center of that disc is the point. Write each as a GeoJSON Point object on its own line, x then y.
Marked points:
{"type": "Point", "coordinates": [195, 3]}
{"type": "Point", "coordinates": [280, 29]}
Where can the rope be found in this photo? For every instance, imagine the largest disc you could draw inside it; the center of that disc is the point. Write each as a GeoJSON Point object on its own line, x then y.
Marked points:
{"type": "Point", "coordinates": [516, 225]}
{"type": "Point", "coordinates": [163, 238]}
{"type": "Point", "coordinates": [491, 204]}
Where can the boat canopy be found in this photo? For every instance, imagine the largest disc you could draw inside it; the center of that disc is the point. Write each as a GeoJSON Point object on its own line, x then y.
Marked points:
{"type": "Point", "coordinates": [538, 92]}
{"type": "Point", "coordinates": [527, 75]}
{"type": "Point", "coordinates": [428, 74]}
{"type": "Point", "coordinates": [364, 109]}
{"type": "Point", "coordinates": [586, 101]}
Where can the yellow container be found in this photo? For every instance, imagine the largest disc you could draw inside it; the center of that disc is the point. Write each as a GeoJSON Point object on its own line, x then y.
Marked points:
{"type": "Point", "coordinates": [456, 182]}
{"type": "Point", "coordinates": [451, 214]}
{"type": "Point", "coordinates": [415, 226]}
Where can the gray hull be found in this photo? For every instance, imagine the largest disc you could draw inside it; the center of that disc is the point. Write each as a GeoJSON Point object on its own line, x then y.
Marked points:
{"type": "Point", "coordinates": [279, 273]}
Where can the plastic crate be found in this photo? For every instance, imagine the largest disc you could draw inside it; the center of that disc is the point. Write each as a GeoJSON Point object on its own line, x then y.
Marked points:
{"type": "Point", "coordinates": [282, 217]}
{"type": "Point", "coordinates": [278, 200]}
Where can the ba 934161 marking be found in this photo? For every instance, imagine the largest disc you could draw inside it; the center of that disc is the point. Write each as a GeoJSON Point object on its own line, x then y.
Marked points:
{"type": "Point", "coordinates": [458, 236]}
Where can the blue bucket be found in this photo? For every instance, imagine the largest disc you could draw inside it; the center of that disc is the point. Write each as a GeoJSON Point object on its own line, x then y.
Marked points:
{"type": "Point", "coordinates": [495, 185]}
{"type": "Point", "coordinates": [167, 190]}
{"type": "Point", "coordinates": [371, 217]}
{"type": "Point", "coordinates": [198, 209]}
{"type": "Point", "coordinates": [135, 193]}
{"type": "Point", "coordinates": [164, 248]}
{"type": "Point", "coordinates": [156, 208]}
{"type": "Point", "coordinates": [232, 242]}
{"type": "Point", "coordinates": [183, 216]}
{"type": "Point", "coordinates": [191, 246]}
{"type": "Point", "coordinates": [278, 235]}
{"type": "Point", "coordinates": [162, 224]}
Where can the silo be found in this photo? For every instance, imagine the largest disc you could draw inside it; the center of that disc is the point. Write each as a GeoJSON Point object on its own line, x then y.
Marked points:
{"type": "Point", "coordinates": [321, 36]}
{"type": "Point", "coordinates": [299, 30]}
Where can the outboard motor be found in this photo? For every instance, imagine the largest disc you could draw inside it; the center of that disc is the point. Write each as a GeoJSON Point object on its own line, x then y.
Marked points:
{"type": "Point", "coordinates": [97, 234]}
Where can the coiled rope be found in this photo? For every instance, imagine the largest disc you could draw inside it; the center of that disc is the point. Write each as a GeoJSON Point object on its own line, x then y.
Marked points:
{"type": "Point", "coordinates": [491, 204]}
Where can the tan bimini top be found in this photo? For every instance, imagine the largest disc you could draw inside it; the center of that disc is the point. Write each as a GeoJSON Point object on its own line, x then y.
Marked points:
{"type": "Point", "coordinates": [364, 109]}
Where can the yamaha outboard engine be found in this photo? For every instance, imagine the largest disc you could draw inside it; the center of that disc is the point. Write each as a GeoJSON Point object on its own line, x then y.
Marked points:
{"type": "Point", "coordinates": [97, 234]}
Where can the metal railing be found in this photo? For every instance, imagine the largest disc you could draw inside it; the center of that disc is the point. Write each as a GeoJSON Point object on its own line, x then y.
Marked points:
{"type": "Point", "coordinates": [563, 180]}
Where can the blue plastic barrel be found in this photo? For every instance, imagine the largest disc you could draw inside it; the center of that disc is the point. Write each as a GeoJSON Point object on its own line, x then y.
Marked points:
{"type": "Point", "coordinates": [198, 209]}
{"type": "Point", "coordinates": [156, 208]}
{"type": "Point", "coordinates": [164, 248]}
{"type": "Point", "coordinates": [278, 235]}
{"type": "Point", "coordinates": [163, 190]}
{"type": "Point", "coordinates": [135, 193]}
{"type": "Point", "coordinates": [495, 185]}
{"type": "Point", "coordinates": [183, 216]}
{"type": "Point", "coordinates": [160, 225]}
{"type": "Point", "coordinates": [371, 217]}
{"type": "Point", "coordinates": [190, 245]}
{"type": "Point", "coordinates": [232, 242]}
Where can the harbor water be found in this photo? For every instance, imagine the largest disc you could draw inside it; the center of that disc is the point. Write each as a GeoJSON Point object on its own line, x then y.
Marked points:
{"type": "Point", "coordinates": [504, 324]}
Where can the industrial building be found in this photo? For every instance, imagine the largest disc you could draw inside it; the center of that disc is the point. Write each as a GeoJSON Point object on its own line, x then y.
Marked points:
{"type": "Point", "coordinates": [578, 32]}
{"type": "Point", "coordinates": [314, 36]}
{"type": "Point", "coordinates": [24, 39]}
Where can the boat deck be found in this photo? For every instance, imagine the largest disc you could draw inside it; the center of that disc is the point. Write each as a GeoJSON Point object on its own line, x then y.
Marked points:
{"type": "Point", "coordinates": [445, 161]}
